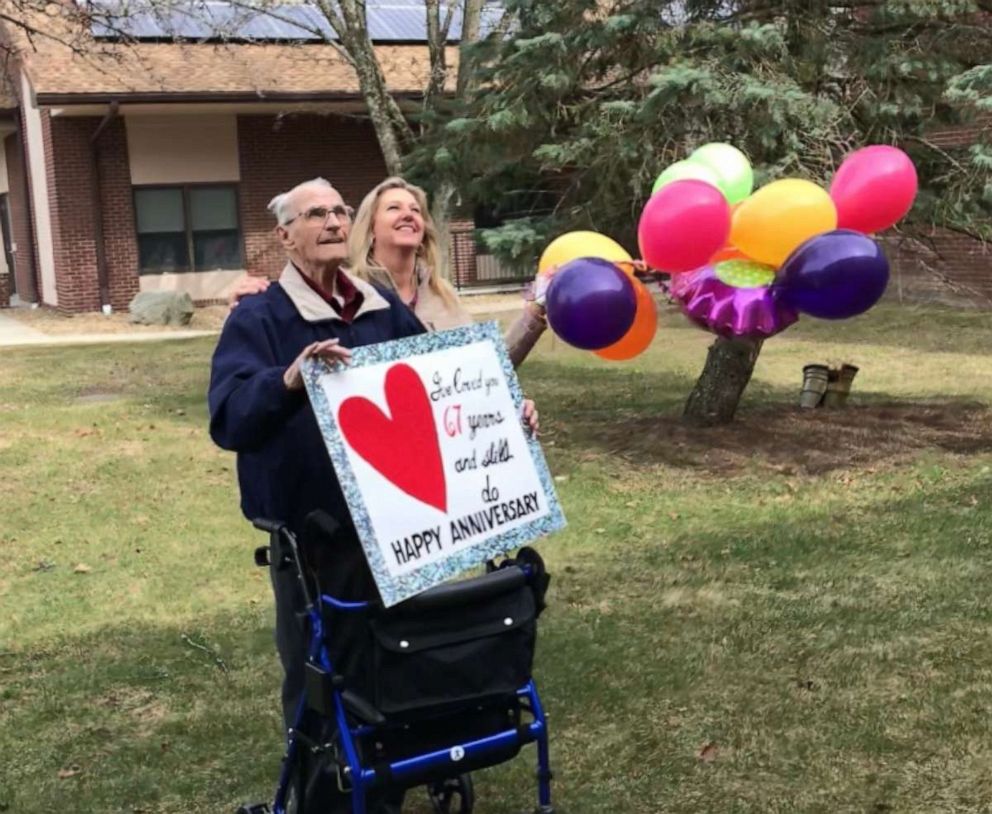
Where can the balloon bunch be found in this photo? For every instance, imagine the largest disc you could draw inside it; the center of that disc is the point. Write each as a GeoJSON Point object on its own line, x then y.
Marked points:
{"type": "Point", "coordinates": [593, 300]}
{"type": "Point", "coordinates": [744, 263]}
{"type": "Point", "coordinates": [747, 264]}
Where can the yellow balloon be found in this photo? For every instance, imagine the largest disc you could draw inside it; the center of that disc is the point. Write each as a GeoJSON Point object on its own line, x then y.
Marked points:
{"type": "Point", "coordinates": [573, 245]}
{"type": "Point", "coordinates": [777, 218]}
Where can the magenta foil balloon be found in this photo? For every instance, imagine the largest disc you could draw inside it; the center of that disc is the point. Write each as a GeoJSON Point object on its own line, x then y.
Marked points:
{"type": "Point", "coordinates": [591, 303]}
{"type": "Point", "coordinates": [736, 313]}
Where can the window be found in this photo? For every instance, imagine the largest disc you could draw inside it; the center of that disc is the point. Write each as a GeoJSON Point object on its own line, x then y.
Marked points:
{"type": "Point", "coordinates": [192, 228]}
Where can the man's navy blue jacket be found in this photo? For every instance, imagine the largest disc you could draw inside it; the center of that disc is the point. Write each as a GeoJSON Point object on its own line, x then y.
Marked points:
{"type": "Point", "coordinates": [283, 466]}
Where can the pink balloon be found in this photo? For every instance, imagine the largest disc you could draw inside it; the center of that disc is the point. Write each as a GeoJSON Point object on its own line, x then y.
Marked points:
{"type": "Point", "coordinates": [873, 188]}
{"type": "Point", "coordinates": [683, 225]}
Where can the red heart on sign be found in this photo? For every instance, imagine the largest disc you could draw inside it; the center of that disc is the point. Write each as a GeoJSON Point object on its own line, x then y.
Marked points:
{"type": "Point", "coordinates": [404, 448]}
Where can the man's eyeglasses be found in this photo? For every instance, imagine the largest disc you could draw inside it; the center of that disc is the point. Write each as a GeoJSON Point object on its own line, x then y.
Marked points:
{"type": "Point", "coordinates": [318, 214]}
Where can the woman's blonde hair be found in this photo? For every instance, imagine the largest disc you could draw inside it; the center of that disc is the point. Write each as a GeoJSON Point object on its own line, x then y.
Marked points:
{"type": "Point", "coordinates": [360, 249]}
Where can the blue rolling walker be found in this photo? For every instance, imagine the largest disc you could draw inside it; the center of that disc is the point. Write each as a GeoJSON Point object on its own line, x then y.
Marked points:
{"type": "Point", "coordinates": [419, 694]}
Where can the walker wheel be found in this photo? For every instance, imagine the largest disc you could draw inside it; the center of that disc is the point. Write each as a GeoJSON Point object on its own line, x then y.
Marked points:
{"type": "Point", "coordinates": [453, 796]}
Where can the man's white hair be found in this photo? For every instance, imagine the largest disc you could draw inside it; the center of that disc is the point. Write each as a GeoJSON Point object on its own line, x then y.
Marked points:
{"type": "Point", "coordinates": [282, 205]}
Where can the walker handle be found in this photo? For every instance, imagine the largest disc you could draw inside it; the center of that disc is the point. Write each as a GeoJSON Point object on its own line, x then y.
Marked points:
{"type": "Point", "coordinates": [270, 526]}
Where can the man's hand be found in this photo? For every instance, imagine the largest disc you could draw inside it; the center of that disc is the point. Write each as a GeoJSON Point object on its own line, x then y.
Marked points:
{"type": "Point", "coordinates": [329, 349]}
{"type": "Point", "coordinates": [245, 287]}
{"type": "Point", "coordinates": [529, 414]}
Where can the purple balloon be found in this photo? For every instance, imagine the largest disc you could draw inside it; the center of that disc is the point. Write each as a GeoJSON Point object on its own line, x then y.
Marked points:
{"type": "Point", "coordinates": [835, 275]}
{"type": "Point", "coordinates": [591, 303]}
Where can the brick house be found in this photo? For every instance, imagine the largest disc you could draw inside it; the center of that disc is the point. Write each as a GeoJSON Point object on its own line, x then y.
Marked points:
{"type": "Point", "coordinates": [148, 166]}
{"type": "Point", "coordinates": [944, 266]}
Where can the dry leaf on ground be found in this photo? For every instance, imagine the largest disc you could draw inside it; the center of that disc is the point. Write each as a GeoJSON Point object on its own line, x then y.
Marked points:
{"type": "Point", "coordinates": [708, 752]}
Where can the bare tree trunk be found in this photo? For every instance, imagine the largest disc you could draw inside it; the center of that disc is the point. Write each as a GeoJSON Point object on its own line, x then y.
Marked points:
{"type": "Point", "coordinates": [349, 21]}
{"type": "Point", "coordinates": [378, 100]}
{"type": "Point", "coordinates": [392, 129]}
{"type": "Point", "coordinates": [445, 193]}
{"type": "Point", "coordinates": [441, 212]}
{"type": "Point", "coordinates": [718, 390]}
{"type": "Point", "coordinates": [437, 45]}
{"type": "Point", "coordinates": [471, 24]}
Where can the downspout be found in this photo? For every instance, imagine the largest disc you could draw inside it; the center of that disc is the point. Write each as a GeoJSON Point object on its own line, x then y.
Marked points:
{"type": "Point", "coordinates": [102, 272]}
{"type": "Point", "coordinates": [27, 252]}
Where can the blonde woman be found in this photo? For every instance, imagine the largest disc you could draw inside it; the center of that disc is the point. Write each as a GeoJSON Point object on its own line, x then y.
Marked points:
{"type": "Point", "coordinates": [393, 242]}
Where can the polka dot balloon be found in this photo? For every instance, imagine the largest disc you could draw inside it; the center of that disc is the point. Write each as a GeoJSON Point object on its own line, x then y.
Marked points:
{"type": "Point", "coordinates": [744, 273]}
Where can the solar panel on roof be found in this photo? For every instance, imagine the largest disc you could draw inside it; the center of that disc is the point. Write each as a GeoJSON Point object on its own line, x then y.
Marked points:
{"type": "Point", "coordinates": [388, 21]}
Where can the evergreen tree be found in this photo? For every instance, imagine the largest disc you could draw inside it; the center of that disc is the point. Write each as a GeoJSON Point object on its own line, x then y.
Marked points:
{"type": "Point", "coordinates": [584, 102]}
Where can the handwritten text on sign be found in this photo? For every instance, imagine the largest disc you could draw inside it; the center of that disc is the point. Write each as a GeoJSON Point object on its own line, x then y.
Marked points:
{"type": "Point", "coordinates": [433, 445]}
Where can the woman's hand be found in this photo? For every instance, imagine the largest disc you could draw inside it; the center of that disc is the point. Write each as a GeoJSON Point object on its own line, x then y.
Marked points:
{"type": "Point", "coordinates": [529, 415]}
{"type": "Point", "coordinates": [329, 349]}
{"type": "Point", "coordinates": [245, 287]}
{"type": "Point", "coordinates": [541, 284]}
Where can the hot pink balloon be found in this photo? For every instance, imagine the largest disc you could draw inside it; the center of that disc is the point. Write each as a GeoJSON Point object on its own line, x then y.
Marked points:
{"type": "Point", "coordinates": [683, 225]}
{"type": "Point", "coordinates": [873, 188]}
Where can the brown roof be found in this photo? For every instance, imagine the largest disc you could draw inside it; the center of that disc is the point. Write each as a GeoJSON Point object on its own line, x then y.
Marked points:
{"type": "Point", "coordinates": [70, 65]}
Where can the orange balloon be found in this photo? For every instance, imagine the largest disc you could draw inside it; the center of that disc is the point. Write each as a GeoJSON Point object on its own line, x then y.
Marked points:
{"type": "Point", "coordinates": [728, 253]}
{"type": "Point", "coordinates": [637, 339]}
{"type": "Point", "coordinates": [627, 267]}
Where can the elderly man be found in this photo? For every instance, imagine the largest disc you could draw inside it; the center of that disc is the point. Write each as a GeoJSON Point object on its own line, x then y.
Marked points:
{"type": "Point", "coordinates": [258, 404]}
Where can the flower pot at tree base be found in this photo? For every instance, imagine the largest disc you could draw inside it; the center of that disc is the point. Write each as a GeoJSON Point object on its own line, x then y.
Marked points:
{"type": "Point", "coordinates": [839, 386]}
{"type": "Point", "coordinates": [815, 380]}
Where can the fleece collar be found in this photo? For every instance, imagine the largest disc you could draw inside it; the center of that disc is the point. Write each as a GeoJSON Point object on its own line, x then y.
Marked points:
{"type": "Point", "coordinates": [314, 308]}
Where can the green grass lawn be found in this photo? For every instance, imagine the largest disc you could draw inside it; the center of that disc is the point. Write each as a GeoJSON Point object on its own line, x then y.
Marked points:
{"type": "Point", "coordinates": [790, 614]}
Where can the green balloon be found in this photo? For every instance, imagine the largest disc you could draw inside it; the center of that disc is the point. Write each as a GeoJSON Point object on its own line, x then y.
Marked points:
{"type": "Point", "coordinates": [736, 178]}
{"type": "Point", "coordinates": [744, 273]}
{"type": "Point", "coordinates": [686, 171]}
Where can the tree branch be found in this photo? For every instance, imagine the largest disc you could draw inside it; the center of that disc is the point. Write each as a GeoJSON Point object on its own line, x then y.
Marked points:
{"type": "Point", "coordinates": [334, 20]}
{"type": "Point", "coordinates": [336, 24]}
{"type": "Point", "coordinates": [449, 16]}
{"type": "Point", "coordinates": [939, 150]}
